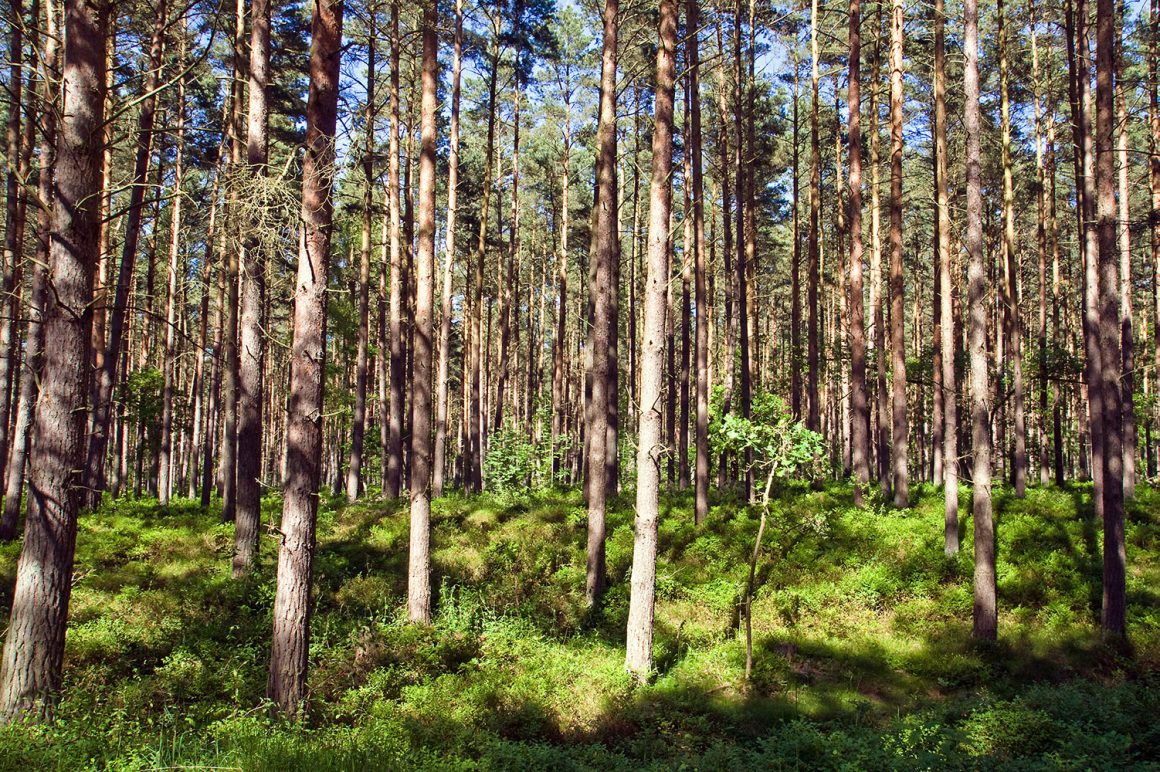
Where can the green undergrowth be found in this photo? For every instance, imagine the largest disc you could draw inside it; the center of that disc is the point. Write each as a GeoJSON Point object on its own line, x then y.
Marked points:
{"type": "Point", "coordinates": [863, 657]}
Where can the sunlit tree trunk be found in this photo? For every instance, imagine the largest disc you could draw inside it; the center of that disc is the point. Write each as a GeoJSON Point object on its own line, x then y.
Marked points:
{"type": "Point", "coordinates": [441, 388]}
{"type": "Point", "coordinates": [392, 485]}
{"type": "Point", "coordinates": [1127, 382]}
{"type": "Point", "coordinates": [30, 673]}
{"type": "Point", "coordinates": [638, 658]}
{"type": "Point", "coordinates": [900, 433]}
{"type": "Point", "coordinates": [813, 419]}
{"type": "Point", "coordinates": [985, 616]}
{"type": "Point", "coordinates": [419, 556]}
{"type": "Point", "coordinates": [701, 297]}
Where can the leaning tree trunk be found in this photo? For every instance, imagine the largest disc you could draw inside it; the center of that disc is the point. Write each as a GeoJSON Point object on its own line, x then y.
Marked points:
{"type": "Point", "coordinates": [30, 672]}
{"type": "Point", "coordinates": [638, 658]}
{"type": "Point", "coordinates": [292, 604]}
{"type": "Point", "coordinates": [985, 617]}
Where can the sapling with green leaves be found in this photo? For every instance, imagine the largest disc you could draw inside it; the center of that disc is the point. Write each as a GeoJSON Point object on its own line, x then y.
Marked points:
{"type": "Point", "coordinates": [780, 448]}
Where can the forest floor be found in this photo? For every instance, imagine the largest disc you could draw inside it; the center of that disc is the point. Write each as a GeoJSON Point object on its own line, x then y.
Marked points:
{"type": "Point", "coordinates": [863, 657]}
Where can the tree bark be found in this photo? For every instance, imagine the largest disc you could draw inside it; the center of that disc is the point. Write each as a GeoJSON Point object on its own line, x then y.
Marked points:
{"type": "Point", "coordinates": [419, 558]}
{"type": "Point", "coordinates": [900, 433]}
{"type": "Point", "coordinates": [813, 420]}
{"type": "Point", "coordinates": [30, 673]}
{"type": "Point", "coordinates": [441, 388]}
{"type": "Point", "coordinates": [392, 485]}
{"type": "Point", "coordinates": [985, 615]}
{"type": "Point", "coordinates": [638, 658]}
{"type": "Point", "coordinates": [359, 414]}
{"type": "Point", "coordinates": [859, 407]}
{"type": "Point", "coordinates": [251, 353]}
{"type": "Point", "coordinates": [606, 255]}
{"type": "Point", "coordinates": [102, 396]}
{"type": "Point", "coordinates": [289, 653]}
{"type": "Point", "coordinates": [946, 295]}
{"type": "Point", "coordinates": [165, 467]}
{"type": "Point", "coordinates": [1114, 609]}
{"type": "Point", "coordinates": [701, 298]}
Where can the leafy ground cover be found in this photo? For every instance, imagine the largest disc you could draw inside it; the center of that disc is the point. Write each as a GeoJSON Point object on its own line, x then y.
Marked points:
{"type": "Point", "coordinates": [862, 650]}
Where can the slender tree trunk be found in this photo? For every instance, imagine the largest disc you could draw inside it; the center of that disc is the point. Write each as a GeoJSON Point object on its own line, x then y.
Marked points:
{"type": "Point", "coordinates": [795, 335]}
{"type": "Point", "coordinates": [441, 388]}
{"type": "Point", "coordinates": [251, 352]}
{"type": "Point", "coordinates": [946, 295]}
{"type": "Point", "coordinates": [475, 439]}
{"type": "Point", "coordinates": [1041, 244]}
{"type": "Point", "coordinates": [165, 467]}
{"type": "Point", "coordinates": [509, 296]}
{"type": "Point", "coordinates": [419, 558]}
{"type": "Point", "coordinates": [1014, 324]}
{"type": "Point", "coordinates": [813, 420]}
{"type": "Point", "coordinates": [1154, 174]}
{"type": "Point", "coordinates": [559, 377]}
{"type": "Point", "coordinates": [105, 379]}
{"type": "Point", "coordinates": [606, 254]}
{"type": "Point", "coordinates": [1127, 382]}
{"type": "Point", "coordinates": [701, 297]}
{"type": "Point", "coordinates": [638, 658]}
{"type": "Point", "coordinates": [394, 450]}
{"type": "Point", "coordinates": [860, 410]}
{"type": "Point", "coordinates": [30, 673]}
{"type": "Point", "coordinates": [1114, 609]}
{"type": "Point", "coordinates": [985, 615]}
{"type": "Point", "coordinates": [34, 345]}
{"type": "Point", "coordinates": [13, 228]}
{"type": "Point", "coordinates": [897, 300]}
{"type": "Point", "coordinates": [359, 417]}
{"type": "Point", "coordinates": [877, 297]}
{"type": "Point", "coordinates": [228, 468]}
{"type": "Point", "coordinates": [286, 686]}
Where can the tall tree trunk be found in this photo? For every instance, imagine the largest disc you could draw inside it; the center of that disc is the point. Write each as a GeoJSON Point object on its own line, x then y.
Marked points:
{"type": "Point", "coordinates": [1041, 244]}
{"type": "Point", "coordinates": [985, 616]}
{"type": "Point", "coordinates": [474, 475]}
{"type": "Point", "coordinates": [1127, 383]}
{"type": "Point", "coordinates": [509, 296]}
{"type": "Point", "coordinates": [359, 416]}
{"type": "Point", "coordinates": [102, 396]}
{"type": "Point", "coordinates": [559, 377]}
{"type": "Point", "coordinates": [946, 295]}
{"type": "Point", "coordinates": [877, 298]}
{"type": "Point", "coordinates": [701, 298]}
{"type": "Point", "coordinates": [1011, 282]}
{"type": "Point", "coordinates": [897, 301]}
{"type": "Point", "coordinates": [419, 557]}
{"type": "Point", "coordinates": [34, 343]}
{"type": "Point", "coordinates": [795, 335]}
{"type": "Point", "coordinates": [392, 485]}
{"type": "Point", "coordinates": [813, 420]}
{"type": "Point", "coordinates": [13, 228]}
{"type": "Point", "coordinates": [638, 658]}
{"type": "Point", "coordinates": [30, 673]}
{"type": "Point", "coordinates": [165, 467]}
{"type": "Point", "coordinates": [286, 686]}
{"type": "Point", "coordinates": [1114, 611]}
{"type": "Point", "coordinates": [251, 352]}
{"type": "Point", "coordinates": [859, 408]}
{"type": "Point", "coordinates": [606, 254]}
{"type": "Point", "coordinates": [441, 388]}
{"type": "Point", "coordinates": [228, 467]}
{"type": "Point", "coordinates": [1154, 173]}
